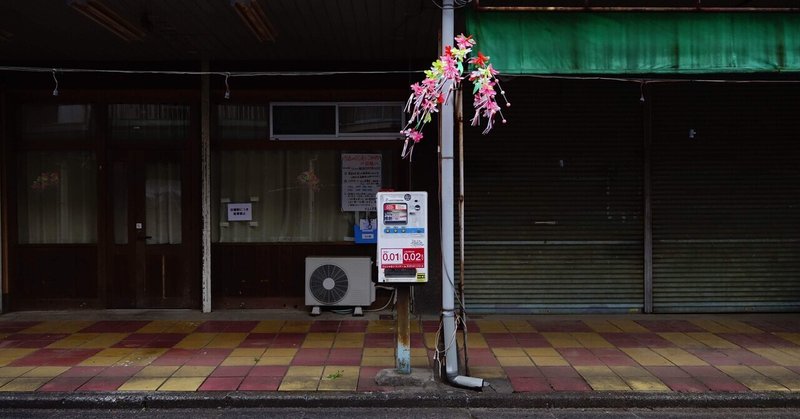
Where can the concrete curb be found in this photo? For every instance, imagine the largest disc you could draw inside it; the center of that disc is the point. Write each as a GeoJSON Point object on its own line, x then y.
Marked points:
{"type": "Point", "coordinates": [454, 399]}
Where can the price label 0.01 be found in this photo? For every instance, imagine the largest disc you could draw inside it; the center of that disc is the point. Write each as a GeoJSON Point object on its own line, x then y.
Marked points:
{"type": "Point", "coordinates": [403, 258]}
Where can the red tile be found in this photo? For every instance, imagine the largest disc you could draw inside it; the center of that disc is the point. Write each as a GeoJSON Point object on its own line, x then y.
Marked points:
{"type": "Point", "coordinates": [704, 371]}
{"type": "Point", "coordinates": [205, 361]}
{"type": "Point", "coordinates": [662, 326]}
{"type": "Point", "coordinates": [366, 380]}
{"type": "Point", "coordinates": [345, 356]}
{"type": "Point", "coordinates": [115, 326]}
{"type": "Point", "coordinates": [580, 356]}
{"type": "Point", "coordinates": [532, 340]}
{"type": "Point", "coordinates": [64, 384]}
{"type": "Point", "coordinates": [311, 357]}
{"type": "Point", "coordinates": [564, 371]}
{"type": "Point", "coordinates": [560, 326]}
{"type": "Point", "coordinates": [55, 357]}
{"type": "Point", "coordinates": [120, 371]}
{"type": "Point", "coordinates": [288, 340]}
{"type": "Point", "coordinates": [82, 372]}
{"type": "Point", "coordinates": [268, 371]}
{"type": "Point", "coordinates": [353, 326]}
{"type": "Point", "coordinates": [322, 326]}
{"type": "Point", "coordinates": [726, 384]}
{"type": "Point", "coordinates": [568, 384]}
{"type": "Point", "coordinates": [221, 384]}
{"type": "Point", "coordinates": [526, 372]}
{"type": "Point", "coordinates": [684, 384]}
{"type": "Point", "coordinates": [259, 383]}
{"type": "Point", "coordinates": [16, 326]}
{"type": "Point", "coordinates": [231, 371]}
{"type": "Point", "coordinates": [103, 384]}
{"type": "Point", "coordinates": [258, 340]}
{"type": "Point", "coordinates": [529, 384]}
{"type": "Point", "coordinates": [379, 340]}
{"type": "Point", "coordinates": [501, 340]}
{"type": "Point", "coordinates": [226, 326]}
{"type": "Point", "coordinates": [667, 372]}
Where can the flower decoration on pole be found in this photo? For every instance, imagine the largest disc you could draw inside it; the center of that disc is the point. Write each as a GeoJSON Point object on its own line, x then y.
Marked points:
{"type": "Point", "coordinates": [309, 179]}
{"type": "Point", "coordinates": [441, 80]}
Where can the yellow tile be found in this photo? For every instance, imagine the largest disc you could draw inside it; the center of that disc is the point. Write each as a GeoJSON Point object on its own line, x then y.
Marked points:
{"type": "Point", "coordinates": [378, 361]}
{"type": "Point", "coordinates": [100, 361]}
{"type": "Point", "coordinates": [781, 375]}
{"type": "Point", "coordinates": [4, 380]}
{"type": "Point", "coordinates": [778, 356]}
{"type": "Point", "coordinates": [542, 352]}
{"type": "Point", "coordinates": [299, 384]}
{"type": "Point", "coordinates": [251, 352]}
{"type": "Point", "coordinates": [349, 340]}
{"type": "Point", "coordinates": [515, 361]}
{"type": "Point", "coordinates": [45, 372]}
{"type": "Point", "coordinates": [275, 360]}
{"type": "Point", "coordinates": [591, 340]}
{"type": "Point", "coordinates": [683, 340]}
{"type": "Point", "coordinates": [508, 352]}
{"type": "Point", "coordinates": [602, 326]}
{"type": "Point", "coordinates": [304, 371]}
{"type": "Point", "coordinates": [379, 352]}
{"type": "Point", "coordinates": [646, 357]}
{"type": "Point", "coordinates": [24, 384]}
{"type": "Point", "coordinates": [646, 384]}
{"type": "Point", "coordinates": [15, 353]}
{"type": "Point", "coordinates": [194, 371]}
{"type": "Point", "coordinates": [169, 326]}
{"type": "Point", "coordinates": [680, 357]}
{"type": "Point", "coordinates": [157, 371]}
{"type": "Point", "coordinates": [320, 336]}
{"type": "Point", "coordinates": [476, 340]}
{"type": "Point", "coordinates": [268, 326]}
{"type": "Point", "coordinates": [420, 362]}
{"type": "Point", "coordinates": [116, 352]}
{"type": "Point", "coordinates": [711, 340]}
{"type": "Point", "coordinates": [317, 344]}
{"type": "Point", "coordinates": [13, 372]}
{"type": "Point", "coordinates": [791, 337]}
{"type": "Point", "coordinates": [751, 378]}
{"type": "Point", "coordinates": [629, 326]}
{"type": "Point", "coordinates": [226, 340]}
{"type": "Point", "coordinates": [350, 384]}
{"type": "Point", "coordinates": [341, 378]}
{"type": "Point", "coordinates": [381, 326]}
{"type": "Point", "coordinates": [561, 340]}
{"type": "Point", "coordinates": [630, 371]}
{"type": "Point", "coordinates": [195, 341]}
{"type": "Point", "coordinates": [518, 326]}
{"type": "Point", "coordinates": [182, 384]}
{"type": "Point", "coordinates": [549, 361]}
{"type": "Point", "coordinates": [601, 378]}
{"type": "Point", "coordinates": [712, 326]}
{"type": "Point", "coordinates": [239, 361]}
{"type": "Point", "coordinates": [491, 326]}
{"type": "Point", "coordinates": [70, 326]}
{"type": "Point", "coordinates": [296, 326]}
{"type": "Point", "coordinates": [76, 340]}
{"type": "Point", "coordinates": [142, 384]}
{"type": "Point", "coordinates": [430, 340]}
{"type": "Point", "coordinates": [142, 357]}
{"type": "Point", "coordinates": [290, 352]}
{"type": "Point", "coordinates": [739, 327]}
{"type": "Point", "coordinates": [104, 340]}
{"type": "Point", "coordinates": [487, 372]}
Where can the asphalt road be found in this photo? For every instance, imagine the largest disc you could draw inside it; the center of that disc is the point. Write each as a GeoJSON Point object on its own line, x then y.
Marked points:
{"type": "Point", "coordinates": [393, 413]}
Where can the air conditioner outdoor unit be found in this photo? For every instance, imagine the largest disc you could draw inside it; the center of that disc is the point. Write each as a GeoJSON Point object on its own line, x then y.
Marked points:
{"type": "Point", "coordinates": [339, 281]}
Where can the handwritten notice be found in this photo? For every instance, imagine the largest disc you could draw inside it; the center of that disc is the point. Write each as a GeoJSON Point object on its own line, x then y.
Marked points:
{"type": "Point", "coordinates": [361, 180]}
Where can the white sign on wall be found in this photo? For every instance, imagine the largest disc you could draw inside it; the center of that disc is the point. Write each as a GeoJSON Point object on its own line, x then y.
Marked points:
{"type": "Point", "coordinates": [240, 212]}
{"type": "Point", "coordinates": [361, 180]}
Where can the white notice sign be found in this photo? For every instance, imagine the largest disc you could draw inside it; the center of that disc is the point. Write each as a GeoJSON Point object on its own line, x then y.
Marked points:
{"type": "Point", "coordinates": [361, 180]}
{"type": "Point", "coordinates": [240, 212]}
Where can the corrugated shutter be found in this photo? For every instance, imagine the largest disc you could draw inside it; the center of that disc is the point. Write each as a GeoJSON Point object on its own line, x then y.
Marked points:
{"type": "Point", "coordinates": [726, 197]}
{"type": "Point", "coordinates": [554, 201]}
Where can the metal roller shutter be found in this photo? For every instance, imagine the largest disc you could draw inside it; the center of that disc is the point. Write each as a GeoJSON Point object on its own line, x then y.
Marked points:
{"type": "Point", "coordinates": [554, 202]}
{"type": "Point", "coordinates": [726, 197]}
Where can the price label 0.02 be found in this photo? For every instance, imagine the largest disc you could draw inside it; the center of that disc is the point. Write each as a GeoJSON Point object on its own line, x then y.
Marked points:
{"type": "Point", "coordinates": [403, 258]}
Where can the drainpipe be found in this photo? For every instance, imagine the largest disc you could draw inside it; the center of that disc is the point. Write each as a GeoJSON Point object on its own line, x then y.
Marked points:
{"type": "Point", "coordinates": [448, 263]}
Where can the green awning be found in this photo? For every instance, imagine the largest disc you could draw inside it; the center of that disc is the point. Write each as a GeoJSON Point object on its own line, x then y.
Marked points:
{"type": "Point", "coordinates": [638, 43]}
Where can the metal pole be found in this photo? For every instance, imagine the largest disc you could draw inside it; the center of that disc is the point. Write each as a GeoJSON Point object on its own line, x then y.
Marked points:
{"type": "Point", "coordinates": [205, 192]}
{"type": "Point", "coordinates": [448, 264]}
{"type": "Point", "coordinates": [403, 361]}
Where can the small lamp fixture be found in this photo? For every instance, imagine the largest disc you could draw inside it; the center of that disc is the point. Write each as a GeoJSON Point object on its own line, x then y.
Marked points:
{"type": "Point", "coordinates": [256, 20]}
{"type": "Point", "coordinates": [106, 17]}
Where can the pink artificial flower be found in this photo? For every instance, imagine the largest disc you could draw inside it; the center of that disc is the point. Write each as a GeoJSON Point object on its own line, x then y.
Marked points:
{"type": "Point", "coordinates": [464, 42]}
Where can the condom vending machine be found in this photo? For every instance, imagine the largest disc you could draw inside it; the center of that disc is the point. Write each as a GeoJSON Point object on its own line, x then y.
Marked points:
{"type": "Point", "coordinates": [402, 237]}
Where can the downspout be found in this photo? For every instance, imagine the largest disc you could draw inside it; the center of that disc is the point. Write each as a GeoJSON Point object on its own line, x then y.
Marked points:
{"type": "Point", "coordinates": [448, 263]}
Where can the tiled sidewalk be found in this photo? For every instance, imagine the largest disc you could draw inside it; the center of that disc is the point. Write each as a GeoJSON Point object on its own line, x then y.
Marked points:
{"type": "Point", "coordinates": [532, 354]}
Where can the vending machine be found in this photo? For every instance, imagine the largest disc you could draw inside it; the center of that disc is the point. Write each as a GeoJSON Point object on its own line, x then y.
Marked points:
{"type": "Point", "coordinates": [402, 237]}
